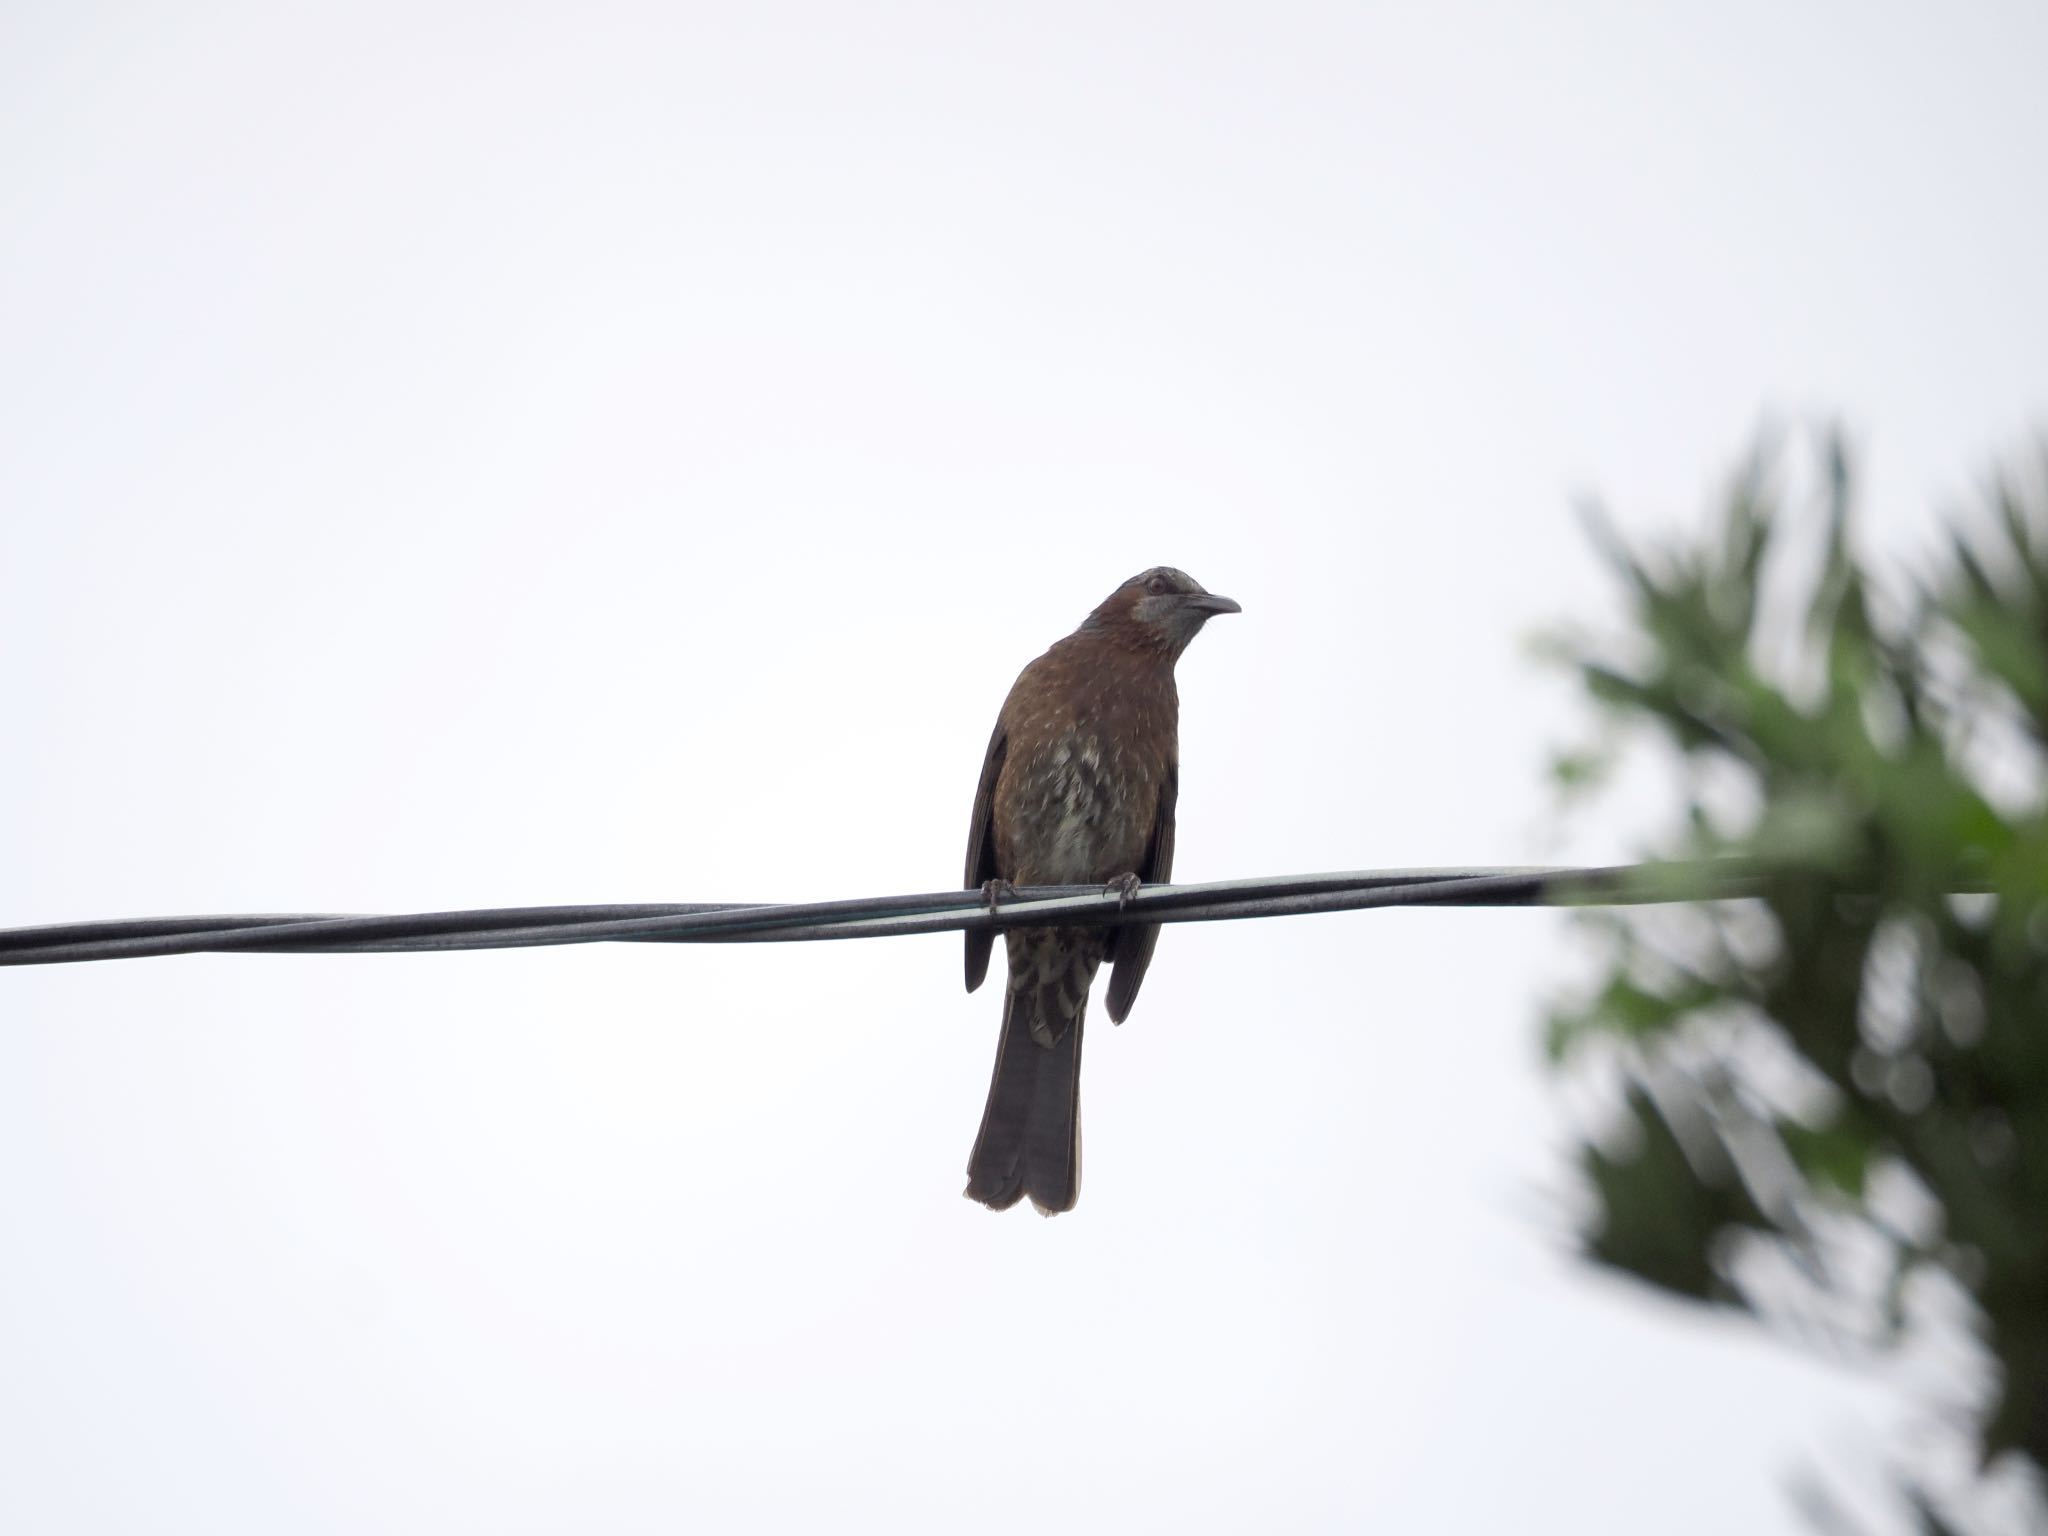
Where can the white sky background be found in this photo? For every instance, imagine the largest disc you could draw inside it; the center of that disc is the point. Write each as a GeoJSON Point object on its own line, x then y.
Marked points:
{"type": "Point", "coordinates": [472, 456]}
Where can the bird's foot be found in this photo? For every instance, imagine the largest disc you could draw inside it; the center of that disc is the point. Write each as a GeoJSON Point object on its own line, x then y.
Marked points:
{"type": "Point", "coordinates": [997, 890]}
{"type": "Point", "coordinates": [1123, 888]}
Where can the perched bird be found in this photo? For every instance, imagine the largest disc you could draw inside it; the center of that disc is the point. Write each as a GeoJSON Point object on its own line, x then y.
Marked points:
{"type": "Point", "coordinates": [1078, 787]}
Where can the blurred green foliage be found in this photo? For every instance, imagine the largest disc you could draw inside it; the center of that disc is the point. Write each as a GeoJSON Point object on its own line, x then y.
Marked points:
{"type": "Point", "coordinates": [1835, 1094]}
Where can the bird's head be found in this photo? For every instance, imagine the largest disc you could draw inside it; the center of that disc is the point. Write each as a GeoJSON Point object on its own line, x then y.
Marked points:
{"type": "Point", "coordinates": [1161, 609]}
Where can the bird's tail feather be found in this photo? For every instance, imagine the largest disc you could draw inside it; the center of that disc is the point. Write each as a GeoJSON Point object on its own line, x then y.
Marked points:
{"type": "Point", "coordinates": [1030, 1141]}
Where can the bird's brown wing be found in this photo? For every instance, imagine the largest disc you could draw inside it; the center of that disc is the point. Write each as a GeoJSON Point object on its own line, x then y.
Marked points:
{"type": "Point", "coordinates": [1132, 951]}
{"type": "Point", "coordinates": [981, 851]}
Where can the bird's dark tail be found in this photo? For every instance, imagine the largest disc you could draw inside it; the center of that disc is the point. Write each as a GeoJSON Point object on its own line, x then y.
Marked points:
{"type": "Point", "coordinates": [1030, 1141]}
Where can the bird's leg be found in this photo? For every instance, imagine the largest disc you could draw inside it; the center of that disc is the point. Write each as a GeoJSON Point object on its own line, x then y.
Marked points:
{"type": "Point", "coordinates": [1123, 888]}
{"type": "Point", "coordinates": [997, 890]}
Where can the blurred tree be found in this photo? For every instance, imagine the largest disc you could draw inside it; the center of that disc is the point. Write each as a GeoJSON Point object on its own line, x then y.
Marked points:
{"type": "Point", "coordinates": [1834, 1106]}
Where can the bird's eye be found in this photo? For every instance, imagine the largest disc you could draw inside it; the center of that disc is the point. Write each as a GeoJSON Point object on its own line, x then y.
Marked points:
{"type": "Point", "coordinates": [1158, 586]}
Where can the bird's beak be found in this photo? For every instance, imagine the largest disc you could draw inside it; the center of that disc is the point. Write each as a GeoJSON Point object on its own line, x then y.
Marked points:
{"type": "Point", "coordinates": [1209, 602]}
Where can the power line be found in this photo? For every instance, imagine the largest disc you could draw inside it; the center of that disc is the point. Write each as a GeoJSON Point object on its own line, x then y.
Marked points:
{"type": "Point", "coordinates": [868, 916]}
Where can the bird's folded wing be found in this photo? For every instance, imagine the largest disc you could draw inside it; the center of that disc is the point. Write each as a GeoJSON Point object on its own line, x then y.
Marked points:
{"type": "Point", "coordinates": [1132, 951]}
{"type": "Point", "coordinates": [981, 850]}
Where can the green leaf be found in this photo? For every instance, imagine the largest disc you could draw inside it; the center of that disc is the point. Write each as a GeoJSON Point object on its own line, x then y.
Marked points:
{"type": "Point", "coordinates": [1837, 1157]}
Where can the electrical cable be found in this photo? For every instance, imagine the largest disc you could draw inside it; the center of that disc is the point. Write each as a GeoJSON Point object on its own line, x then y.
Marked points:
{"type": "Point", "coordinates": [867, 916]}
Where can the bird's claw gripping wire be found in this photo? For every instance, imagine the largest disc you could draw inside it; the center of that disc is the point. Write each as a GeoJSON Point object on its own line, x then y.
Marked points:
{"type": "Point", "coordinates": [996, 891]}
{"type": "Point", "coordinates": [1123, 888]}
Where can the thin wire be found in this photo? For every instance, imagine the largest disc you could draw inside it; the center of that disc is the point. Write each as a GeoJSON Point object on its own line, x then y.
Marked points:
{"type": "Point", "coordinates": [868, 916]}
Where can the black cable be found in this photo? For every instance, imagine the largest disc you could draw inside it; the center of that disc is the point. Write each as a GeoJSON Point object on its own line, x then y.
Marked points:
{"type": "Point", "coordinates": [862, 917]}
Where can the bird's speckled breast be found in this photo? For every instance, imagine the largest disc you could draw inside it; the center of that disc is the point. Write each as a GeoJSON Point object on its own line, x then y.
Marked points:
{"type": "Point", "coordinates": [1080, 787]}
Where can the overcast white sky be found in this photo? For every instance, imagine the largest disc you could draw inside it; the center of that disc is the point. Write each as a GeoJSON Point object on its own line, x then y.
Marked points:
{"type": "Point", "coordinates": [471, 455]}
